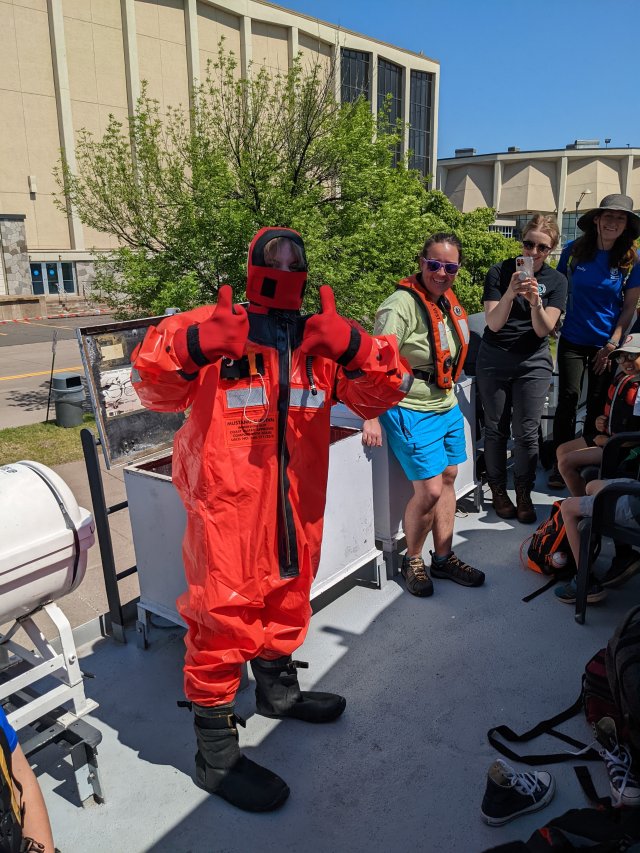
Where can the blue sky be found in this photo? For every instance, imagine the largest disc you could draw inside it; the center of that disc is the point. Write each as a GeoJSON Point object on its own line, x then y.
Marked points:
{"type": "Point", "coordinates": [535, 75]}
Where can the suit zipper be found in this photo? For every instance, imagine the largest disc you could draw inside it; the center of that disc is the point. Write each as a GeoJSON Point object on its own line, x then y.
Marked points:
{"type": "Point", "coordinates": [284, 414]}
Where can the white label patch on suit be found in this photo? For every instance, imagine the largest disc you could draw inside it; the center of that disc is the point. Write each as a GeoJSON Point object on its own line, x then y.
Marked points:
{"type": "Point", "coordinates": [303, 398]}
{"type": "Point", "coordinates": [241, 398]}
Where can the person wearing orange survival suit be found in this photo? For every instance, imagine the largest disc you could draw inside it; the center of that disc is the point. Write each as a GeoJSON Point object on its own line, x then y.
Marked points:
{"type": "Point", "coordinates": [251, 465]}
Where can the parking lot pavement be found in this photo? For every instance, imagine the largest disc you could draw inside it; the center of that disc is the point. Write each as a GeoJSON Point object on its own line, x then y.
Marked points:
{"type": "Point", "coordinates": [24, 379]}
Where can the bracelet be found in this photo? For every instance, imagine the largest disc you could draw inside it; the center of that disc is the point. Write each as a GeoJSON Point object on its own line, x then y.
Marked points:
{"type": "Point", "coordinates": [613, 343]}
{"type": "Point", "coordinates": [539, 304]}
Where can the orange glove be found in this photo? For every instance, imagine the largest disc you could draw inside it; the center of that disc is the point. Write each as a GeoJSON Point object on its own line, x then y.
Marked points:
{"type": "Point", "coordinates": [329, 335]}
{"type": "Point", "coordinates": [223, 334]}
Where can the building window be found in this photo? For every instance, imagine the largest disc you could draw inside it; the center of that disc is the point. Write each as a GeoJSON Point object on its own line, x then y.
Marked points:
{"type": "Point", "coordinates": [570, 228]}
{"type": "Point", "coordinates": [390, 84]}
{"type": "Point", "coordinates": [53, 278]}
{"type": "Point", "coordinates": [505, 230]}
{"type": "Point", "coordinates": [420, 101]}
{"type": "Point", "coordinates": [354, 75]}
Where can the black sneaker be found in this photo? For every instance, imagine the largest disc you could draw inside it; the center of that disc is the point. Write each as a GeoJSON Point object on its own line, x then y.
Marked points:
{"type": "Point", "coordinates": [416, 578]}
{"type": "Point", "coordinates": [621, 569]}
{"type": "Point", "coordinates": [455, 570]}
{"type": "Point", "coordinates": [509, 794]}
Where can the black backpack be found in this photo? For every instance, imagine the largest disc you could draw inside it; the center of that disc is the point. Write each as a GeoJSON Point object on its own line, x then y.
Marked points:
{"type": "Point", "coordinates": [623, 672]}
{"type": "Point", "coordinates": [548, 551]}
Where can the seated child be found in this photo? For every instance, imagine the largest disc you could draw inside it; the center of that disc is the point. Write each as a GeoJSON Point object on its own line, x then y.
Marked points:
{"type": "Point", "coordinates": [621, 414]}
{"type": "Point", "coordinates": [627, 515]}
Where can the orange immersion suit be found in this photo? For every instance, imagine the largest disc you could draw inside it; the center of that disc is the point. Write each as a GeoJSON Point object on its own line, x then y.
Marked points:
{"type": "Point", "coordinates": [251, 466]}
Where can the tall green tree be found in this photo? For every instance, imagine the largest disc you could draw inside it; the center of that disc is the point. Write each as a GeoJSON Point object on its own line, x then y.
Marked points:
{"type": "Point", "coordinates": [184, 192]}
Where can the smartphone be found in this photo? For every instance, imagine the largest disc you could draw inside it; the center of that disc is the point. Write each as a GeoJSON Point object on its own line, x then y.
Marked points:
{"type": "Point", "coordinates": [525, 267]}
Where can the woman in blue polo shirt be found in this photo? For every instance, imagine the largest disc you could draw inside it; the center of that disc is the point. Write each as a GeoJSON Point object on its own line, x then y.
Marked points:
{"type": "Point", "coordinates": [604, 287]}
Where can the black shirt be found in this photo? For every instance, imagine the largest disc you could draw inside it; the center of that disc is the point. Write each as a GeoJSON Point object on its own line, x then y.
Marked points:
{"type": "Point", "coordinates": [517, 334]}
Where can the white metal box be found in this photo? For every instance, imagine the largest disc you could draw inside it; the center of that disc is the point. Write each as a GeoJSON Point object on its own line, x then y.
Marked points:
{"type": "Point", "coordinates": [158, 521]}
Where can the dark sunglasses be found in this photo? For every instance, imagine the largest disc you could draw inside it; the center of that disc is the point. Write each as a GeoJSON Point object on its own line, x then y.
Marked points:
{"type": "Point", "coordinates": [627, 356]}
{"type": "Point", "coordinates": [434, 266]}
{"type": "Point", "coordinates": [541, 247]}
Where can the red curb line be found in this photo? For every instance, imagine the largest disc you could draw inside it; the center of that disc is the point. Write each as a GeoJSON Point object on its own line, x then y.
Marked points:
{"type": "Point", "coordinates": [55, 317]}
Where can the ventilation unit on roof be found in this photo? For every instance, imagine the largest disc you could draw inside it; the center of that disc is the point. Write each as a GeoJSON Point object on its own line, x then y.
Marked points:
{"type": "Point", "coordinates": [513, 149]}
{"type": "Point", "coordinates": [465, 152]}
{"type": "Point", "coordinates": [583, 143]}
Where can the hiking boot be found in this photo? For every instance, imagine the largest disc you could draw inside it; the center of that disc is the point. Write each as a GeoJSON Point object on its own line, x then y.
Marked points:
{"type": "Point", "coordinates": [625, 785]}
{"type": "Point", "coordinates": [453, 569]}
{"type": "Point", "coordinates": [278, 693]}
{"type": "Point", "coordinates": [556, 480]}
{"type": "Point", "coordinates": [621, 569]}
{"type": "Point", "coordinates": [502, 503]}
{"type": "Point", "coordinates": [415, 575]}
{"type": "Point", "coordinates": [509, 794]}
{"type": "Point", "coordinates": [221, 769]}
{"type": "Point", "coordinates": [525, 510]}
{"type": "Point", "coordinates": [567, 593]}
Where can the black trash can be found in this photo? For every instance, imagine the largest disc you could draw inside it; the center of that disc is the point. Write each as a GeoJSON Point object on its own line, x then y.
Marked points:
{"type": "Point", "coordinates": [68, 395]}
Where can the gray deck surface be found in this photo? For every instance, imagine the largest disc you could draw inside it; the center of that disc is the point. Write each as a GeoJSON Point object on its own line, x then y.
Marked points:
{"type": "Point", "coordinates": [403, 769]}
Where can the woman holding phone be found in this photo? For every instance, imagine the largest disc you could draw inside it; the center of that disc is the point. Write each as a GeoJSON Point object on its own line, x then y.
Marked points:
{"type": "Point", "coordinates": [523, 300]}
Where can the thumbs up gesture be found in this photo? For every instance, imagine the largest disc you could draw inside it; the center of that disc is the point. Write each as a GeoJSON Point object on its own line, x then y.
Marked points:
{"type": "Point", "coordinates": [329, 335]}
{"type": "Point", "coordinates": [225, 332]}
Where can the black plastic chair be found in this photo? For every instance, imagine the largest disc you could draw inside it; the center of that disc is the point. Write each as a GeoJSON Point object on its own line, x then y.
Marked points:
{"type": "Point", "coordinates": [602, 522]}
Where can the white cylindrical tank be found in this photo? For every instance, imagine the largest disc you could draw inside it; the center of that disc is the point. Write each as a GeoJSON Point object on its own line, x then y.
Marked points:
{"type": "Point", "coordinates": [44, 538]}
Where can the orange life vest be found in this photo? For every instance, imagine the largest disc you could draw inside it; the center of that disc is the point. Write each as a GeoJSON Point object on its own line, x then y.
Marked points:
{"type": "Point", "coordinates": [446, 371]}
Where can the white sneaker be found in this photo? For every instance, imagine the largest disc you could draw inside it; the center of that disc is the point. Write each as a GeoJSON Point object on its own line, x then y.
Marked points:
{"type": "Point", "coordinates": [625, 785]}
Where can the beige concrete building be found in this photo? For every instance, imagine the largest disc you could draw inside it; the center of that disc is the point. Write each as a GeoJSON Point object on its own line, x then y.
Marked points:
{"type": "Point", "coordinates": [69, 64]}
{"type": "Point", "coordinates": [566, 182]}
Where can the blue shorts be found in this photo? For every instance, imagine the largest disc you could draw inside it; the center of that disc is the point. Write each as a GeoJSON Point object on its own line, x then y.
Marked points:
{"type": "Point", "coordinates": [425, 443]}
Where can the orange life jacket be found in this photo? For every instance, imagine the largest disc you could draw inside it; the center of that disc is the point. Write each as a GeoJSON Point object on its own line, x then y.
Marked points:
{"type": "Point", "coordinates": [446, 371]}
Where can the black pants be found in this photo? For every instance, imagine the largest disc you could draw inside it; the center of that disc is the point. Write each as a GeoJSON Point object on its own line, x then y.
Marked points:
{"type": "Point", "coordinates": [513, 388]}
{"type": "Point", "coordinates": [574, 360]}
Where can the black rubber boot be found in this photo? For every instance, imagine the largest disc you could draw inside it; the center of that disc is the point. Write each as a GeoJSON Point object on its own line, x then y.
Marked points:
{"type": "Point", "coordinates": [278, 693]}
{"type": "Point", "coordinates": [221, 768]}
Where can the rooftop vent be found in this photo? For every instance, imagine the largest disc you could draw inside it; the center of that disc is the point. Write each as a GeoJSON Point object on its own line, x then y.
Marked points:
{"type": "Point", "coordinates": [584, 143]}
{"type": "Point", "coordinates": [513, 149]}
{"type": "Point", "coordinates": [465, 152]}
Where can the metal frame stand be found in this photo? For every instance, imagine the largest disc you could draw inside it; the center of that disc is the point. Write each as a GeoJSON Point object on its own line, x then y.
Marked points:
{"type": "Point", "coordinates": [101, 513]}
{"type": "Point", "coordinates": [42, 711]}
{"type": "Point", "coordinates": [45, 661]}
{"type": "Point", "coordinates": [80, 741]}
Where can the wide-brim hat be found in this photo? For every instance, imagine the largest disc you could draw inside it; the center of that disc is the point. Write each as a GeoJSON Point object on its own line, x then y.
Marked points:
{"type": "Point", "coordinates": [615, 201]}
{"type": "Point", "coordinates": [630, 344]}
